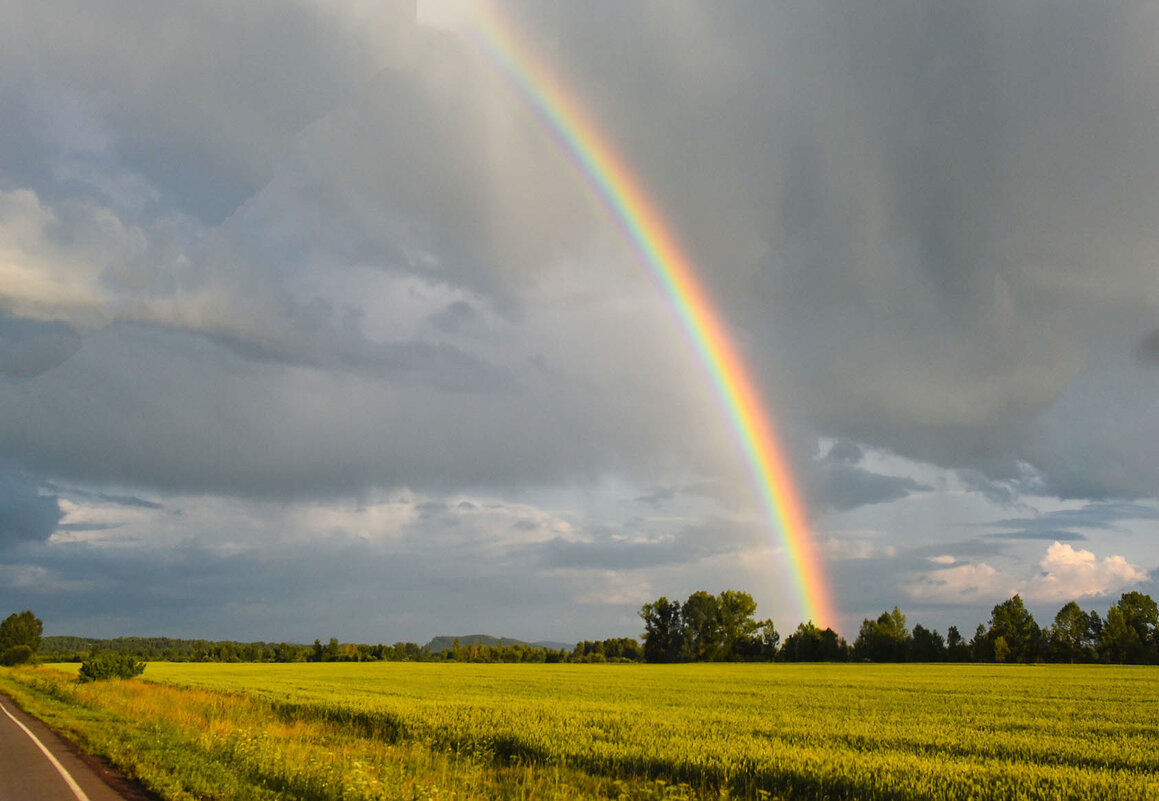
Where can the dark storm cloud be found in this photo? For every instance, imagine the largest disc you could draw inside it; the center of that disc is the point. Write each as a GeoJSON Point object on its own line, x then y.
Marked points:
{"type": "Point", "coordinates": [31, 347]}
{"type": "Point", "coordinates": [918, 214]}
{"type": "Point", "coordinates": [1061, 525]}
{"type": "Point", "coordinates": [25, 514]}
{"type": "Point", "coordinates": [316, 253]}
{"type": "Point", "coordinates": [1148, 349]}
{"type": "Point", "coordinates": [842, 487]}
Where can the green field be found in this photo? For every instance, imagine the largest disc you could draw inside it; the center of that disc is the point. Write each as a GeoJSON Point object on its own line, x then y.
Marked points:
{"type": "Point", "coordinates": [435, 730]}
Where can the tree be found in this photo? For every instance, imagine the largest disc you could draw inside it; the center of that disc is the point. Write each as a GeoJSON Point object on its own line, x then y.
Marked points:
{"type": "Point", "coordinates": [760, 646]}
{"type": "Point", "coordinates": [1131, 631]}
{"type": "Point", "coordinates": [19, 638]}
{"type": "Point", "coordinates": [1012, 621]}
{"type": "Point", "coordinates": [981, 648]}
{"type": "Point", "coordinates": [21, 629]}
{"type": "Point", "coordinates": [957, 649]}
{"type": "Point", "coordinates": [811, 644]}
{"type": "Point", "coordinates": [737, 627]}
{"type": "Point", "coordinates": [703, 636]}
{"type": "Point", "coordinates": [926, 645]}
{"type": "Point", "coordinates": [663, 630]}
{"type": "Point", "coordinates": [883, 640]}
{"type": "Point", "coordinates": [1071, 637]}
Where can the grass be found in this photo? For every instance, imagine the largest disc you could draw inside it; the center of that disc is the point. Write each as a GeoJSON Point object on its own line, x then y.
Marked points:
{"type": "Point", "coordinates": [420, 730]}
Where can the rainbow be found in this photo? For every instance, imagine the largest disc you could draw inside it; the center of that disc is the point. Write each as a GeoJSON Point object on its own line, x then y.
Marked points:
{"type": "Point", "coordinates": [624, 196]}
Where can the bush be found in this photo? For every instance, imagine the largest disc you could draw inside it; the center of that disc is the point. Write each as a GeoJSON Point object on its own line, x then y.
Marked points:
{"type": "Point", "coordinates": [16, 655]}
{"type": "Point", "coordinates": [110, 666]}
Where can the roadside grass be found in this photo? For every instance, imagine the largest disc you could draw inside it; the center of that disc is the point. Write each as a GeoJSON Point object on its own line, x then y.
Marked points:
{"type": "Point", "coordinates": [187, 744]}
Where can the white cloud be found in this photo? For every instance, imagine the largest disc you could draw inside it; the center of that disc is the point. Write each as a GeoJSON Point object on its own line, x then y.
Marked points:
{"type": "Point", "coordinates": [1067, 574]}
{"type": "Point", "coordinates": [964, 584]}
{"type": "Point", "coordinates": [944, 559]}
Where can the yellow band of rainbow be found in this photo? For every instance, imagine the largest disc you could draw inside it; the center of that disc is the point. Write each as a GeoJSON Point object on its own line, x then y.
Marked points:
{"type": "Point", "coordinates": [630, 206]}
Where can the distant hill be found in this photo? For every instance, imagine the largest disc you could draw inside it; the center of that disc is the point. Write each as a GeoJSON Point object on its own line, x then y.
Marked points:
{"type": "Point", "coordinates": [443, 642]}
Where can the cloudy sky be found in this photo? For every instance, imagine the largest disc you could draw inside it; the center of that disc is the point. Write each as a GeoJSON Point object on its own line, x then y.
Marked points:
{"type": "Point", "coordinates": [310, 327]}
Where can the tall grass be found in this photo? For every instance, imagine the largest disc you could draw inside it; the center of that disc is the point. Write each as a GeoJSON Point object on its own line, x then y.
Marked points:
{"type": "Point", "coordinates": [399, 730]}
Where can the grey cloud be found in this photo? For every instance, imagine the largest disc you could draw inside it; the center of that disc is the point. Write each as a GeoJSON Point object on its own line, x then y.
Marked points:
{"type": "Point", "coordinates": [31, 347]}
{"type": "Point", "coordinates": [657, 497]}
{"type": "Point", "coordinates": [1062, 524]}
{"type": "Point", "coordinates": [1148, 349]}
{"type": "Point", "coordinates": [25, 514]}
{"type": "Point", "coordinates": [206, 101]}
{"type": "Point", "coordinates": [931, 210]}
{"type": "Point", "coordinates": [843, 487]}
{"type": "Point", "coordinates": [845, 451]}
{"type": "Point", "coordinates": [606, 550]}
{"type": "Point", "coordinates": [1050, 535]}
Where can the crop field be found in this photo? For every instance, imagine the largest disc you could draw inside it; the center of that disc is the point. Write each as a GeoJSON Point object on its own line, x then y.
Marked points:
{"type": "Point", "coordinates": [423, 730]}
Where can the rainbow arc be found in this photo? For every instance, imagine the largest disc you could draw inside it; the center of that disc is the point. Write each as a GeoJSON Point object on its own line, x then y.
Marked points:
{"type": "Point", "coordinates": [653, 238]}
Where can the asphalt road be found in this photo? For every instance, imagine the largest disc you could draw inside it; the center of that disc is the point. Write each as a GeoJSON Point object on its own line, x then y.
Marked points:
{"type": "Point", "coordinates": [28, 774]}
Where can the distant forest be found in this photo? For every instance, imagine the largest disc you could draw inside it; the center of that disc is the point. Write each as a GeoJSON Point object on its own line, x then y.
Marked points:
{"type": "Point", "coordinates": [719, 628]}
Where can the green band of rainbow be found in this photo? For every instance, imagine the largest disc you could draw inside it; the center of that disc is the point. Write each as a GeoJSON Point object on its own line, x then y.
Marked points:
{"type": "Point", "coordinates": [637, 215]}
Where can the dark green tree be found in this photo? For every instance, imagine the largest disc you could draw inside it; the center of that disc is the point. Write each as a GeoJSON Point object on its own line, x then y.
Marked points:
{"type": "Point", "coordinates": [21, 629]}
{"type": "Point", "coordinates": [957, 649]}
{"type": "Point", "coordinates": [1012, 622]}
{"type": "Point", "coordinates": [1071, 637]}
{"type": "Point", "coordinates": [811, 644]}
{"type": "Point", "coordinates": [883, 640]}
{"type": "Point", "coordinates": [760, 646]}
{"type": "Point", "coordinates": [738, 629]}
{"type": "Point", "coordinates": [1131, 631]}
{"type": "Point", "coordinates": [663, 630]}
{"type": "Point", "coordinates": [703, 635]}
{"type": "Point", "coordinates": [926, 645]}
{"type": "Point", "coordinates": [981, 648]}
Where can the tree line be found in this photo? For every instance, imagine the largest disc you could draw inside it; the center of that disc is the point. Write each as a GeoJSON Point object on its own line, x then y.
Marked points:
{"type": "Point", "coordinates": [168, 649]}
{"type": "Point", "coordinates": [708, 628]}
{"type": "Point", "coordinates": [704, 628]}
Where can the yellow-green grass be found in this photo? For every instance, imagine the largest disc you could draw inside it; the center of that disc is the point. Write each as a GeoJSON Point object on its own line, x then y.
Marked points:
{"type": "Point", "coordinates": [744, 731]}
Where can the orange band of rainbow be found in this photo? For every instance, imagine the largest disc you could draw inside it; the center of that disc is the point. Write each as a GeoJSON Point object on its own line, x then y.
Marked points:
{"type": "Point", "coordinates": [631, 207]}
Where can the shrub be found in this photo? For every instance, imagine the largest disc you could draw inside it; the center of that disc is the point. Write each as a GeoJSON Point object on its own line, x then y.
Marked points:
{"type": "Point", "coordinates": [16, 655]}
{"type": "Point", "coordinates": [110, 666]}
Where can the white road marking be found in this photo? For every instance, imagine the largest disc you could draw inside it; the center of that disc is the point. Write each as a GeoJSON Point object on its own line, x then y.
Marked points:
{"type": "Point", "coordinates": [64, 774]}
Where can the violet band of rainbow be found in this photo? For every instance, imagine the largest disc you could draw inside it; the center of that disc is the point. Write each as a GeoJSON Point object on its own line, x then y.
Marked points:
{"type": "Point", "coordinates": [629, 205]}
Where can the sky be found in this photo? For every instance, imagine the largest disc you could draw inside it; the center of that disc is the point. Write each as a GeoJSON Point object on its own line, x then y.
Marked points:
{"type": "Point", "coordinates": [310, 326]}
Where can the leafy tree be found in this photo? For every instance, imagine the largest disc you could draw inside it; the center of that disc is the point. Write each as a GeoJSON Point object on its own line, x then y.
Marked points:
{"type": "Point", "coordinates": [1071, 637]}
{"type": "Point", "coordinates": [926, 645]}
{"type": "Point", "coordinates": [957, 649]}
{"type": "Point", "coordinates": [1130, 632]}
{"type": "Point", "coordinates": [663, 630]}
{"type": "Point", "coordinates": [21, 629]}
{"type": "Point", "coordinates": [981, 647]}
{"type": "Point", "coordinates": [883, 640]}
{"type": "Point", "coordinates": [737, 627]}
{"type": "Point", "coordinates": [702, 627]}
{"type": "Point", "coordinates": [1012, 621]}
{"type": "Point", "coordinates": [760, 646]}
{"type": "Point", "coordinates": [1001, 649]}
{"type": "Point", "coordinates": [811, 644]}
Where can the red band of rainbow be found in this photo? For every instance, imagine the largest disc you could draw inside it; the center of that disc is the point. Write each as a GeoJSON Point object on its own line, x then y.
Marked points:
{"type": "Point", "coordinates": [638, 216]}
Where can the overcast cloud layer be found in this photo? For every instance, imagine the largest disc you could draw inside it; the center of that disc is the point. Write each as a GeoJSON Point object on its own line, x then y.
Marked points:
{"type": "Point", "coordinates": [309, 326]}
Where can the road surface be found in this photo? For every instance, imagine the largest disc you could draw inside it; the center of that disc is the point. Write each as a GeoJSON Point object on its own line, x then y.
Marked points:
{"type": "Point", "coordinates": [27, 772]}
